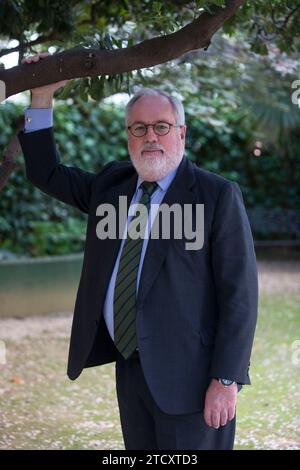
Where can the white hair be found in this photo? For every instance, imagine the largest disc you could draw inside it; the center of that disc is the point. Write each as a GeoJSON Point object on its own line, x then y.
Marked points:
{"type": "Point", "coordinates": [176, 104]}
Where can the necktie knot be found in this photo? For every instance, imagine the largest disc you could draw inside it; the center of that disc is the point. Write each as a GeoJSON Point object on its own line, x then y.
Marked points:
{"type": "Point", "coordinates": [148, 187]}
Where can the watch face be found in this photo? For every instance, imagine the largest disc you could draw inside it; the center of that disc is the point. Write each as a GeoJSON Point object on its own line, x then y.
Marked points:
{"type": "Point", "coordinates": [227, 382]}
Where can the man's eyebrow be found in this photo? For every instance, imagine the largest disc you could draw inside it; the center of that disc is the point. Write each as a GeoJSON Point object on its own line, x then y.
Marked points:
{"type": "Point", "coordinates": [154, 122]}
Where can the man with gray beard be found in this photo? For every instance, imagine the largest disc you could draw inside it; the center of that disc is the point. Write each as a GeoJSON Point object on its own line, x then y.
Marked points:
{"type": "Point", "coordinates": [178, 323]}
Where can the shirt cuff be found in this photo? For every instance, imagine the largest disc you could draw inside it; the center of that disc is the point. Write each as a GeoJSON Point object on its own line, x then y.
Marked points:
{"type": "Point", "coordinates": [37, 119]}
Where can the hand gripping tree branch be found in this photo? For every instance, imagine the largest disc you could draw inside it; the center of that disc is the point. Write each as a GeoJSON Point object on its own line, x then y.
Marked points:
{"type": "Point", "coordinates": [43, 78]}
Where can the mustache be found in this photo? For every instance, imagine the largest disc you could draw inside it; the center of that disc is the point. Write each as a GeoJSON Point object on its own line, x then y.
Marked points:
{"type": "Point", "coordinates": [151, 147]}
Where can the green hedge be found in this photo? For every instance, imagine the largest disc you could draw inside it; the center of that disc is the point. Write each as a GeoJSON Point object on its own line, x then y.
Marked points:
{"type": "Point", "coordinates": [35, 224]}
{"type": "Point", "coordinates": [93, 134]}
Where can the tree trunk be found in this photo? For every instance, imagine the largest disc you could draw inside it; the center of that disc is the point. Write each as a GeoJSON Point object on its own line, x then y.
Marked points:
{"type": "Point", "coordinates": [10, 154]}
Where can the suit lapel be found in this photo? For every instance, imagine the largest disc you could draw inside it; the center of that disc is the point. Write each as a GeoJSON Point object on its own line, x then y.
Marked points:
{"type": "Point", "coordinates": [107, 250]}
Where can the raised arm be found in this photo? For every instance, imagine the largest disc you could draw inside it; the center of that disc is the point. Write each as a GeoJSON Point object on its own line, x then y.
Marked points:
{"type": "Point", "coordinates": [42, 161]}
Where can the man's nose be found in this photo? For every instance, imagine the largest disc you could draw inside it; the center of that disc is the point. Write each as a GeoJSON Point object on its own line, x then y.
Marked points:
{"type": "Point", "coordinates": [150, 135]}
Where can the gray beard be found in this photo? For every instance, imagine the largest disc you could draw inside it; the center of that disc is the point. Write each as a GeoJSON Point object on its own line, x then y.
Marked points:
{"type": "Point", "coordinates": [151, 170]}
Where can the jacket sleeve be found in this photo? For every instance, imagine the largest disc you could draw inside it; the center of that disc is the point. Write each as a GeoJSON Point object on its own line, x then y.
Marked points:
{"type": "Point", "coordinates": [235, 276]}
{"type": "Point", "coordinates": [43, 168]}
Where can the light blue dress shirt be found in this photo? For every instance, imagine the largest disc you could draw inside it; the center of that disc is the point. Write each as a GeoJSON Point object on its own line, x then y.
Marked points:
{"type": "Point", "coordinates": [36, 119]}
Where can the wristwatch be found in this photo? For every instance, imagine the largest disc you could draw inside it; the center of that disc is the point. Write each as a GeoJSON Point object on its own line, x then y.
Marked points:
{"type": "Point", "coordinates": [226, 382]}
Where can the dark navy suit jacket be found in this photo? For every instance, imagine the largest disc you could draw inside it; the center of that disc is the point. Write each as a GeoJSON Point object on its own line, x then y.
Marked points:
{"type": "Point", "coordinates": [196, 310]}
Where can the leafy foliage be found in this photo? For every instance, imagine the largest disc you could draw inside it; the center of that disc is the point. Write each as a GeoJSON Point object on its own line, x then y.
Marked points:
{"type": "Point", "coordinates": [241, 122]}
{"type": "Point", "coordinates": [89, 136]}
{"type": "Point", "coordinates": [66, 24]}
{"type": "Point", "coordinates": [34, 223]}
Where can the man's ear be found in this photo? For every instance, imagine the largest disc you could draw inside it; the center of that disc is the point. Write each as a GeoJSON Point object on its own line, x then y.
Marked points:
{"type": "Point", "coordinates": [182, 132]}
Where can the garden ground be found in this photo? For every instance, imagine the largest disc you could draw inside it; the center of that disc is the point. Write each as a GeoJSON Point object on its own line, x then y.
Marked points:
{"type": "Point", "coordinates": [42, 409]}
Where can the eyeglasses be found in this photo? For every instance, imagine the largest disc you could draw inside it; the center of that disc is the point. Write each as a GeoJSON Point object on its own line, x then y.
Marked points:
{"type": "Point", "coordinates": [138, 129]}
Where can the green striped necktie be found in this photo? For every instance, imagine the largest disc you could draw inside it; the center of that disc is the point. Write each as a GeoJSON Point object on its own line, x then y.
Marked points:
{"type": "Point", "coordinates": [126, 282]}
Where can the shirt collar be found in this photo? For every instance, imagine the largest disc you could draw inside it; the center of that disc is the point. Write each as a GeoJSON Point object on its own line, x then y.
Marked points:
{"type": "Point", "coordinates": [163, 183]}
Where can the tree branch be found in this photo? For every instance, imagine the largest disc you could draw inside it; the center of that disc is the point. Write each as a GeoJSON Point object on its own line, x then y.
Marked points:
{"type": "Point", "coordinates": [286, 20]}
{"type": "Point", "coordinates": [10, 154]}
{"type": "Point", "coordinates": [82, 62]}
{"type": "Point", "coordinates": [27, 45]}
{"type": "Point", "coordinates": [278, 27]}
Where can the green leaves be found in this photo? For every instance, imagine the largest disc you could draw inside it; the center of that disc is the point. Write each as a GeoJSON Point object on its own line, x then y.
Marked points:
{"type": "Point", "coordinates": [99, 40]}
{"type": "Point", "coordinates": [31, 222]}
{"type": "Point", "coordinates": [208, 6]}
{"type": "Point", "coordinates": [96, 87]}
{"type": "Point", "coordinates": [67, 90]}
{"type": "Point", "coordinates": [259, 47]}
